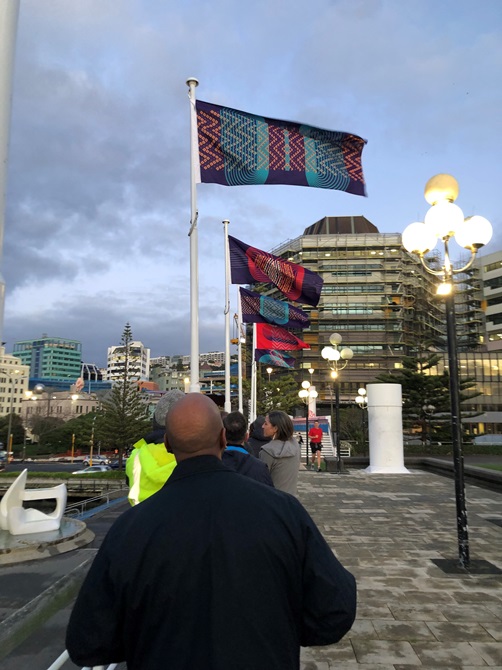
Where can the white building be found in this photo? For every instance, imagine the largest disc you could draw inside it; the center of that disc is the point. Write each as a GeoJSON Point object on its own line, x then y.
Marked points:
{"type": "Point", "coordinates": [490, 271]}
{"type": "Point", "coordinates": [14, 378]}
{"type": "Point", "coordinates": [138, 362]}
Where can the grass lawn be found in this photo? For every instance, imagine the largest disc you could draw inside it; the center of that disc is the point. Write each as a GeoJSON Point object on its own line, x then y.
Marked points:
{"type": "Point", "coordinates": [497, 466]}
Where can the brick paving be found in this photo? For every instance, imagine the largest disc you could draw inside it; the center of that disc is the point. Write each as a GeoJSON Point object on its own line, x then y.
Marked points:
{"type": "Point", "coordinates": [387, 529]}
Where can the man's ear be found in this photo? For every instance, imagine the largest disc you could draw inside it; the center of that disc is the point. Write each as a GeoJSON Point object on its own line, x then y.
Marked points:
{"type": "Point", "coordinates": [168, 448]}
{"type": "Point", "coordinates": [223, 439]}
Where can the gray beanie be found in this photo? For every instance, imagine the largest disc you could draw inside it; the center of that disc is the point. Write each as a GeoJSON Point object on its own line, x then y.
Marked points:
{"type": "Point", "coordinates": [165, 404]}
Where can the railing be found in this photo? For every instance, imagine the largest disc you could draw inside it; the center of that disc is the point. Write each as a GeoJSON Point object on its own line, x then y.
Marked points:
{"type": "Point", "coordinates": [78, 509]}
{"type": "Point", "coordinates": [65, 656]}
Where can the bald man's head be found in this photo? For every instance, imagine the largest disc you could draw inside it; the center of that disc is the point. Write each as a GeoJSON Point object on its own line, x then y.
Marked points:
{"type": "Point", "coordinates": [194, 428]}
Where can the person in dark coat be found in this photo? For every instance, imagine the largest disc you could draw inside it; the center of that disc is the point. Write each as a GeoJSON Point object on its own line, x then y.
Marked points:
{"type": "Point", "coordinates": [213, 572]}
{"type": "Point", "coordinates": [256, 438]}
{"type": "Point", "coordinates": [236, 456]}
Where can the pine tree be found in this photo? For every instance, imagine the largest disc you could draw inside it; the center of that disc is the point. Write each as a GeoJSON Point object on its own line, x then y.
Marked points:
{"type": "Point", "coordinates": [123, 417]}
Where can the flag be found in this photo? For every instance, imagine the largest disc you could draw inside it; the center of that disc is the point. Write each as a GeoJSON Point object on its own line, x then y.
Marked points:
{"type": "Point", "coordinates": [273, 337]}
{"type": "Point", "coordinates": [258, 308]}
{"type": "Point", "coordinates": [249, 265]}
{"type": "Point", "coordinates": [277, 358]}
{"type": "Point", "coordinates": [237, 148]}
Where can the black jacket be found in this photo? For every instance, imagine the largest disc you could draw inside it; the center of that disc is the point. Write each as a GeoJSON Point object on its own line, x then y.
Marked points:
{"type": "Point", "coordinates": [247, 465]}
{"type": "Point", "coordinates": [213, 572]}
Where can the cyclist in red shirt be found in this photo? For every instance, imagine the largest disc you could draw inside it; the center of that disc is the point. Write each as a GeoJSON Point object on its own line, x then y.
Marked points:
{"type": "Point", "coordinates": [315, 436]}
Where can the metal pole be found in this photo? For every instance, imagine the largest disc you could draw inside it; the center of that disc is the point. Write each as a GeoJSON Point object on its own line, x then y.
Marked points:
{"type": "Point", "coordinates": [9, 429]}
{"type": "Point", "coordinates": [307, 431]}
{"type": "Point", "coordinates": [228, 404]}
{"type": "Point", "coordinates": [337, 413]}
{"type": "Point", "coordinates": [194, 244]}
{"type": "Point", "coordinates": [456, 434]}
{"type": "Point", "coordinates": [333, 439]}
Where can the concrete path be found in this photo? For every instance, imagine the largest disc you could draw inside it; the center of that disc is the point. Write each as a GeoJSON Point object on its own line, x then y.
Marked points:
{"type": "Point", "coordinates": [388, 530]}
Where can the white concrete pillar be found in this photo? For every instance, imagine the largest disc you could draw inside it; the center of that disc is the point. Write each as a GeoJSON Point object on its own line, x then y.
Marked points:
{"type": "Point", "coordinates": [385, 429]}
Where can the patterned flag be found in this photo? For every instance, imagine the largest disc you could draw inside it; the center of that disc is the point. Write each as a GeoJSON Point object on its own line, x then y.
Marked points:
{"type": "Point", "coordinates": [250, 265]}
{"type": "Point", "coordinates": [273, 337]}
{"type": "Point", "coordinates": [237, 148]}
{"type": "Point", "coordinates": [277, 358]}
{"type": "Point", "coordinates": [258, 308]}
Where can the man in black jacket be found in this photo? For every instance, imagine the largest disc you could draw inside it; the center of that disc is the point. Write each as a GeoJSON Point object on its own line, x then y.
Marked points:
{"type": "Point", "coordinates": [213, 572]}
{"type": "Point", "coordinates": [236, 456]}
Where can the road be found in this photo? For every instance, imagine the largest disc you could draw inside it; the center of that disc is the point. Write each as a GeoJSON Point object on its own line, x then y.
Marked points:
{"type": "Point", "coordinates": [34, 466]}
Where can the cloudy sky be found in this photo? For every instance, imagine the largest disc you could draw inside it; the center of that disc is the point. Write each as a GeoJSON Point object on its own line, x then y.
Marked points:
{"type": "Point", "coordinates": [98, 198]}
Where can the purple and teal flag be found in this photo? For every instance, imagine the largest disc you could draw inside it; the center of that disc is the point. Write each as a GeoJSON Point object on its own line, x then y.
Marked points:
{"type": "Point", "coordinates": [249, 265]}
{"type": "Point", "coordinates": [237, 149]}
{"type": "Point", "coordinates": [258, 308]}
{"type": "Point", "coordinates": [277, 358]}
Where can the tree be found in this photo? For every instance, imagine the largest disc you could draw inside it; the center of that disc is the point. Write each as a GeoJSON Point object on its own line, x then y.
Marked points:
{"type": "Point", "coordinates": [123, 417]}
{"type": "Point", "coordinates": [16, 429]}
{"type": "Point", "coordinates": [420, 388]}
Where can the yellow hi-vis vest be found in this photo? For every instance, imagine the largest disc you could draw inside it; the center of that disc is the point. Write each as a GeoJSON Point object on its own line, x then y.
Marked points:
{"type": "Point", "coordinates": [148, 468]}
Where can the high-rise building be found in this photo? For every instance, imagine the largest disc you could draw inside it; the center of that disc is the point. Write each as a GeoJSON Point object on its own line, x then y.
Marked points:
{"type": "Point", "coordinates": [50, 358]}
{"type": "Point", "coordinates": [490, 273]}
{"type": "Point", "coordinates": [138, 362]}
{"type": "Point", "coordinates": [378, 297]}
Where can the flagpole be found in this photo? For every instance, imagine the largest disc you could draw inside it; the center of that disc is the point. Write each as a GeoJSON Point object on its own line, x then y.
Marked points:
{"type": "Point", "coordinates": [228, 404]}
{"type": "Point", "coordinates": [192, 83]}
{"type": "Point", "coordinates": [252, 414]}
{"type": "Point", "coordinates": [9, 14]}
{"type": "Point", "coordinates": [239, 347]}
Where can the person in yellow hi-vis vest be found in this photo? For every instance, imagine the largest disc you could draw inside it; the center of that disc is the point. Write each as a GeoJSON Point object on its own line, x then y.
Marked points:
{"type": "Point", "coordinates": [150, 465]}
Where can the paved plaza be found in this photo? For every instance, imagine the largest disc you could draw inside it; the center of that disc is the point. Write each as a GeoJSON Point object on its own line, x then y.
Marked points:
{"type": "Point", "coordinates": [388, 530]}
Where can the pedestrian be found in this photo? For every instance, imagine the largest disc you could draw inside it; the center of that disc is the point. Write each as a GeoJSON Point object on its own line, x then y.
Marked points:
{"type": "Point", "coordinates": [236, 456]}
{"type": "Point", "coordinates": [256, 438]}
{"type": "Point", "coordinates": [214, 572]}
{"type": "Point", "coordinates": [149, 466]}
{"type": "Point", "coordinates": [315, 437]}
{"type": "Point", "coordinates": [282, 453]}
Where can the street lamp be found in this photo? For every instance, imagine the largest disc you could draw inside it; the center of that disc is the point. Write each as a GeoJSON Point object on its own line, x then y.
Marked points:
{"type": "Point", "coordinates": [362, 401]}
{"type": "Point", "coordinates": [337, 360]}
{"type": "Point", "coordinates": [445, 221]}
{"type": "Point", "coordinates": [305, 395]}
{"type": "Point", "coordinates": [428, 411]}
{"type": "Point", "coordinates": [269, 372]}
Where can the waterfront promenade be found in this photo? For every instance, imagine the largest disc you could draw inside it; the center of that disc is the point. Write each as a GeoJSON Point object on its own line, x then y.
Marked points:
{"type": "Point", "coordinates": [388, 530]}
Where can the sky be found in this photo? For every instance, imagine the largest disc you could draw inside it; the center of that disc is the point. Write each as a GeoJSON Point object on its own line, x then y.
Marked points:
{"type": "Point", "coordinates": [98, 193]}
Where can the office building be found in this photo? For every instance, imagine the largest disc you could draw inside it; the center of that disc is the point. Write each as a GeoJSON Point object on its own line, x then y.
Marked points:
{"type": "Point", "coordinates": [49, 358]}
{"type": "Point", "coordinates": [137, 359]}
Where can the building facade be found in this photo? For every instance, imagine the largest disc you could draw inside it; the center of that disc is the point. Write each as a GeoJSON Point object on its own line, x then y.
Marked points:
{"type": "Point", "coordinates": [137, 360]}
{"type": "Point", "coordinates": [50, 357]}
{"type": "Point", "coordinates": [14, 379]}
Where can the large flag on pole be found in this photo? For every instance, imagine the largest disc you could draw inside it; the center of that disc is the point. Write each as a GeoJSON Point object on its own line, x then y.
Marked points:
{"type": "Point", "coordinates": [273, 337]}
{"type": "Point", "coordinates": [277, 358]}
{"type": "Point", "coordinates": [258, 308]}
{"type": "Point", "coordinates": [237, 148]}
{"type": "Point", "coordinates": [249, 265]}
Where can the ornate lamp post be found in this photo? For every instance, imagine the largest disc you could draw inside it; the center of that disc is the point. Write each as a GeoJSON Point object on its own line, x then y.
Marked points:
{"type": "Point", "coordinates": [445, 221]}
{"type": "Point", "coordinates": [337, 361]}
{"type": "Point", "coordinates": [269, 372]}
{"type": "Point", "coordinates": [305, 396]}
{"type": "Point", "coordinates": [362, 401]}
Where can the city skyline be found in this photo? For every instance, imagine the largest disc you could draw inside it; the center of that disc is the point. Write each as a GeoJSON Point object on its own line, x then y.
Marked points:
{"type": "Point", "coordinates": [98, 201]}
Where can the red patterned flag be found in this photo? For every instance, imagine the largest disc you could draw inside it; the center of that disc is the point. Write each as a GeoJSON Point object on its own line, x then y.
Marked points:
{"type": "Point", "coordinates": [250, 265]}
{"type": "Point", "coordinates": [237, 148]}
{"type": "Point", "coordinates": [273, 337]}
{"type": "Point", "coordinates": [277, 358]}
{"type": "Point", "coordinates": [258, 308]}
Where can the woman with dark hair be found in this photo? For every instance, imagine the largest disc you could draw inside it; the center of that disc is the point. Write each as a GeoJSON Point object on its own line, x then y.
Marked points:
{"type": "Point", "coordinates": [256, 438]}
{"type": "Point", "coordinates": [282, 453]}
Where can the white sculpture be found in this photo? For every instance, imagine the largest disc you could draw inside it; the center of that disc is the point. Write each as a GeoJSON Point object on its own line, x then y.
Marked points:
{"type": "Point", "coordinates": [20, 521]}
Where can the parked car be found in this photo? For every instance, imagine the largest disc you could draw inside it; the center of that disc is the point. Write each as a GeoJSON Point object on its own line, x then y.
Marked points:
{"type": "Point", "coordinates": [96, 460]}
{"type": "Point", "coordinates": [92, 469]}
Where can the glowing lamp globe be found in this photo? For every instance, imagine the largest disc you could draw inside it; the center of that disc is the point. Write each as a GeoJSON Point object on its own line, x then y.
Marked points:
{"type": "Point", "coordinates": [418, 239]}
{"type": "Point", "coordinates": [475, 232]}
{"type": "Point", "coordinates": [444, 218]}
{"type": "Point", "coordinates": [441, 187]}
{"type": "Point", "coordinates": [346, 354]}
{"type": "Point", "coordinates": [335, 339]}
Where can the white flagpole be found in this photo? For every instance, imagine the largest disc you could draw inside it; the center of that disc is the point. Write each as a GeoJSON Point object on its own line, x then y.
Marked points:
{"type": "Point", "coordinates": [252, 414]}
{"type": "Point", "coordinates": [9, 14]}
{"type": "Point", "coordinates": [228, 404]}
{"type": "Point", "coordinates": [239, 347]}
{"type": "Point", "coordinates": [192, 83]}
